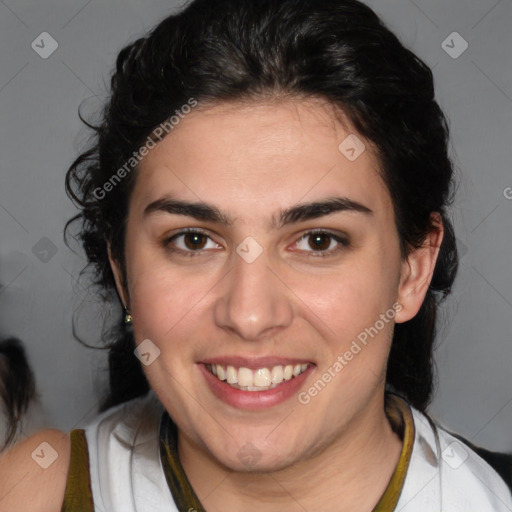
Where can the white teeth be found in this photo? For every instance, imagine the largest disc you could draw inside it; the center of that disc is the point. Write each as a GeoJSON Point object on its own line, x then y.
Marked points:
{"type": "Point", "coordinates": [221, 374]}
{"type": "Point", "coordinates": [288, 372]}
{"type": "Point", "coordinates": [277, 374]}
{"type": "Point", "coordinates": [245, 377]}
{"type": "Point", "coordinates": [256, 380]}
{"type": "Point", "coordinates": [262, 377]}
{"type": "Point", "coordinates": [231, 375]}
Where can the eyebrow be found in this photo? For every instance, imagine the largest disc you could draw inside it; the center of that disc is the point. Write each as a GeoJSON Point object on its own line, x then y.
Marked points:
{"type": "Point", "coordinates": [295, 214]}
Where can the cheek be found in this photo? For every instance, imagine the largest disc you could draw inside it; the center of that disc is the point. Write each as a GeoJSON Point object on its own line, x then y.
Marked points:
{"type": "Point", "coordinates": [351, 305]}
{"type": "Point", "coordinates": [167, 310]}
{"type": "Point", "coordinates": [165, 300]}
{"type": "Point", "coordinates": [352, 298]}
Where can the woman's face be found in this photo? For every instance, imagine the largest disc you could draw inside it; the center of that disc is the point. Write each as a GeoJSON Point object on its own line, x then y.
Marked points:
{"type": "Point", "coordinates": [249, 286]}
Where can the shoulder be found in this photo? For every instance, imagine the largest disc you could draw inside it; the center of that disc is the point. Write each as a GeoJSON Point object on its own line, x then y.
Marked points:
{"type": "Point", "coordinates": [123, 451]}
{"type": "Point", "coordinates": [126, 420]}
{"type": "Point", "coordinates": [478, 467]}
{"type": "Point", "coordinates": [501, 462]}
{"type": "Point", "coordinates": [33, 473]}
{"type": "Point", "coordinates": [120, 429]}
{"type": "Point", "coordinates": [447, 469]}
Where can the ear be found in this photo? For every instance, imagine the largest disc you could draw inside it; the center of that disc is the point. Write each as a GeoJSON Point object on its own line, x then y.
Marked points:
{"type": "Point", "coordinates": [417, 272]}
{"type": "Point", "coordinates": [118, 277]}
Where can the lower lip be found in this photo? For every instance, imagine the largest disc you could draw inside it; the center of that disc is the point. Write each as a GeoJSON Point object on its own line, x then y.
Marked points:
{"type": "Point", "coordinates": [253, 400]}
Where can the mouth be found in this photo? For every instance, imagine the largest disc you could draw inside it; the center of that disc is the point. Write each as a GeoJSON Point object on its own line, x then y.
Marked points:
{"type": "Point", "coordinates": [255, 384]}
{"type": "Point", "coordinates": [260, 379]}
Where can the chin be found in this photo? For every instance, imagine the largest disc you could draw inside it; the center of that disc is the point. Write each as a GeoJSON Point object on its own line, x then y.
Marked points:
{"type": "Point", "coordinates": [250, 455]}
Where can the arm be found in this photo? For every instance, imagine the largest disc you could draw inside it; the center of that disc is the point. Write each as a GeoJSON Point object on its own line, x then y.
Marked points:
{"type": "Point", "coordinates": [33, 473]}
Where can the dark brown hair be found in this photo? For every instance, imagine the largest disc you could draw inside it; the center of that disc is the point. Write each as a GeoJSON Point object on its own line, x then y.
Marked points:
{"type": "Point", "coordinates": [17, 386]}
{"type": "Point", "coordinates": [225, 50]}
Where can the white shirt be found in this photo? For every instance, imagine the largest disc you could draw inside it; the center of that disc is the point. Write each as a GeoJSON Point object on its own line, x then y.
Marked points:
{"type": "Point", "coordinates": [444, 474]}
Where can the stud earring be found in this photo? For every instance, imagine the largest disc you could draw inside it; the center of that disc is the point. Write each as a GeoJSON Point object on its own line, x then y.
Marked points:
{"type": "Point", "coordinates": [128, 319]}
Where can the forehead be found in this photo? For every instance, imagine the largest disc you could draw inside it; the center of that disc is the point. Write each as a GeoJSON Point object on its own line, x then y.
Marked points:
{"type": "Point", "coordinates": [260, 157]}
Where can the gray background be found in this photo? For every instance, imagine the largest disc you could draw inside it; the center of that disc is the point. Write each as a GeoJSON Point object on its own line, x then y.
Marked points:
{"type": "Point", "coordinates": [40, 134]}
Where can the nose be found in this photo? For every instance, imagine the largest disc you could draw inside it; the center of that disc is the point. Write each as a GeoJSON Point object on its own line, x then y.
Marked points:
{"type": "Point", "coordinates": [253, 302]}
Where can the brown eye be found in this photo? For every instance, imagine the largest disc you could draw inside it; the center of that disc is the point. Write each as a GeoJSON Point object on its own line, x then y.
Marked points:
{"type": "Point", "coordinates": [322, 243]}
{"type": "Point", "coordinates": [190, 243]}
{"type": "Point", "coordinates": [319, 241]}
{"type": "Point", "coordinates": [194, 240]}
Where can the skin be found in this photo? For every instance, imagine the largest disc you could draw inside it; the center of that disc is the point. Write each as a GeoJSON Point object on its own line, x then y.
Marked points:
{"type": "Point", "coordinates": [25, 485]}
{"type": "Point", "coordinates": [253, 160]}
{"type": "Point", "coordinates": [338, 452]}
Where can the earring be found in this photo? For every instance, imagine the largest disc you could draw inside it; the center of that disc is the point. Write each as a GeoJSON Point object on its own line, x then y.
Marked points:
{"type": "Point", "coordinates": [127, 317]}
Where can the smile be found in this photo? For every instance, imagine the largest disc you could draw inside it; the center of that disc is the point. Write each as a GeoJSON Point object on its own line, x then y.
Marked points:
{"type": "Point", "coordinates": [260, 379]}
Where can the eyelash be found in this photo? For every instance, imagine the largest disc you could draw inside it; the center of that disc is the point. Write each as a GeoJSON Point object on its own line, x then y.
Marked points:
{"type": "Point", "coordinates": [343, 242]}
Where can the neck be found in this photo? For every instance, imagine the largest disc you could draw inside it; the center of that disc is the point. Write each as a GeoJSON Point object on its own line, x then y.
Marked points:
{"type": "Point", "coordinates": [350, 472]}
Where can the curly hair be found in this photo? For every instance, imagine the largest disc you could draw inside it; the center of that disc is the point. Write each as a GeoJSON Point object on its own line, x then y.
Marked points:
{"type": "Point", "coordinates": [235, 50]}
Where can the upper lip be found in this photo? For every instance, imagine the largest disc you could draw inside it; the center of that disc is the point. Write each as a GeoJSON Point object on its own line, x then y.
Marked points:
{"type": "Point", "coordinates": [255, 362]}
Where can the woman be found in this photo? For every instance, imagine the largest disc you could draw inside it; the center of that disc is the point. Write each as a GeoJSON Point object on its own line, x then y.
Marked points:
{"type": "Point", "coordinates": [268, 193]}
